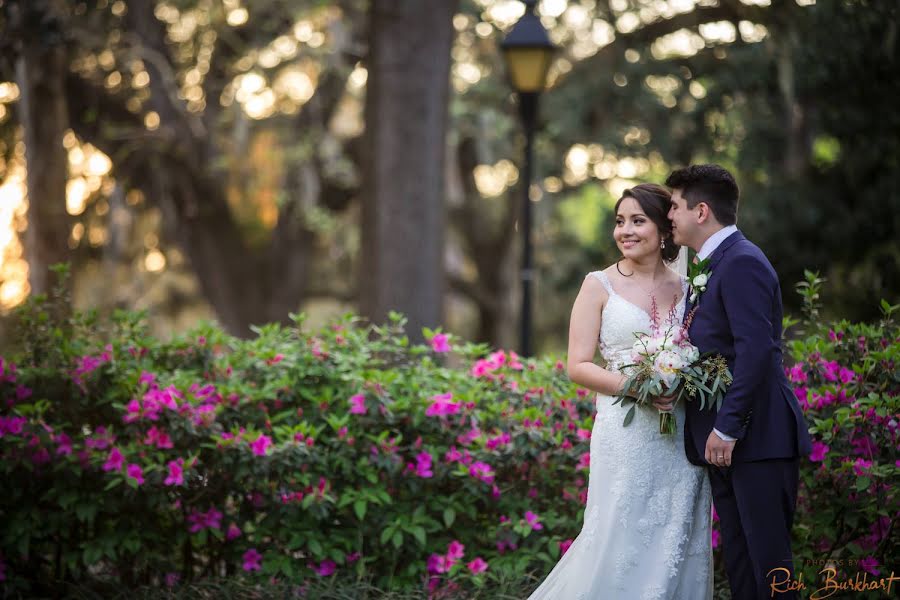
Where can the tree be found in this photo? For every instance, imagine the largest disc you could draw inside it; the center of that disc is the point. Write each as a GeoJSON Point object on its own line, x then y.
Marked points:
{"type": "Point", "coordinates": [407, 99]}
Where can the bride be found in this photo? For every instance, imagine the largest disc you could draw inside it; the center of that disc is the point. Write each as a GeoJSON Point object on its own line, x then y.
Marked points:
{"type": "Point", "coordinates": [646, 531]}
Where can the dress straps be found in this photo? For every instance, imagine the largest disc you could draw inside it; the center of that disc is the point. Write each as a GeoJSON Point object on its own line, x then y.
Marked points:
{"type": "Point", "coordinates": [604, 280]}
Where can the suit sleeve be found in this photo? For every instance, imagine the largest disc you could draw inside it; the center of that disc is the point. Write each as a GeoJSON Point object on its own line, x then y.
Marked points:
{"type": "Point", "coordinates": [748, 297]}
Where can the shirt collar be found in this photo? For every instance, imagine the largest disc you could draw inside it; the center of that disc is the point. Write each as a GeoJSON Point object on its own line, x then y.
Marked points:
{"type": "Point", "coordinates": [710, 245]}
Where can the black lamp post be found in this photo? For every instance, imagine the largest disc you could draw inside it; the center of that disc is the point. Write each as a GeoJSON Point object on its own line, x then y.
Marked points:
{"type": "Point", "coordinates": [528, 52]}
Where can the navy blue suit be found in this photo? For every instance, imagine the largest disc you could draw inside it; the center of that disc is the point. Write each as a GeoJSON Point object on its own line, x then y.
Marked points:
{"type": "Point", "coordinates": [739, 317]}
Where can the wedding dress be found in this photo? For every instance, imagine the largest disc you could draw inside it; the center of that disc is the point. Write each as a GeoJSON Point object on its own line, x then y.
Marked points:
{"type": "Point", "coordinates": [646, 531]}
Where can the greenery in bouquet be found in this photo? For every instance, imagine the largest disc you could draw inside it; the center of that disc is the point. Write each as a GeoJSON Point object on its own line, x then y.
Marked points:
{"type": "Point", "coordinates": [666, 363]}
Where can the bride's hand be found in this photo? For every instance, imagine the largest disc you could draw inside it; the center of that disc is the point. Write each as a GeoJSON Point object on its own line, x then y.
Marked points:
{"type": "Point", "coordinates": [664, 403]}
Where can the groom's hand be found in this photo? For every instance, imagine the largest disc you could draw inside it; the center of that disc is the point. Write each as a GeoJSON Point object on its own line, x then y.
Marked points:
{"type": "Point", "coordinates": [718, 451]}
{"type": "Point", "coordinates": [664, 403]}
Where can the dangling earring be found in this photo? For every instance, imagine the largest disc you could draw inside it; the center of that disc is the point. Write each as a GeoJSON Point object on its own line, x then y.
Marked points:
{"type": "Point", "coordinates": [662, 244]}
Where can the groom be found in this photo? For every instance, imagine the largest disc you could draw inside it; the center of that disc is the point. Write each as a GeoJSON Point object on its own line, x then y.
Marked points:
{"type": "Point", "coordinates": [752, 445]}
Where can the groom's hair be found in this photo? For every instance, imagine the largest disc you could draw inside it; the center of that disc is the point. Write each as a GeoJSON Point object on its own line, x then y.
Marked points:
{"type": "Point", "coordinates": [711, 184]}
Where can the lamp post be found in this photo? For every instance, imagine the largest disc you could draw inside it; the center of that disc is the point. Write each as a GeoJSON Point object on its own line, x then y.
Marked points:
{"type": "Point", "coordinates": [528, 51]}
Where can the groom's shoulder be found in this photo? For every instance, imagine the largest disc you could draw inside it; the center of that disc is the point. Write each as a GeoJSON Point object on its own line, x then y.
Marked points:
{"type": "Point", "coordinates": [745, 254]}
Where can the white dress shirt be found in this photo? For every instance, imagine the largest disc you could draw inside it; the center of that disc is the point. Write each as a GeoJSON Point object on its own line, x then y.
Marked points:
{"type": "Point", "coordinates": [706, 250]}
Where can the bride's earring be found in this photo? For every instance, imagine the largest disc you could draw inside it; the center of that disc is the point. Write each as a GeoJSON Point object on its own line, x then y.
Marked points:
{"type": "Point", "coordinates": [662, 244]}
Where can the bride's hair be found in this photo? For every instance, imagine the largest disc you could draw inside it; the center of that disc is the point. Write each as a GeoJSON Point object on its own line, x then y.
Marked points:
{"type": "Point", "coordinates": [655, 201]}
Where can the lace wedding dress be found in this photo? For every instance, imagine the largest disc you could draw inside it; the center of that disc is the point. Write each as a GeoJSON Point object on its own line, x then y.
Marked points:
{"type": "Point", "coordinates": [646, 532]}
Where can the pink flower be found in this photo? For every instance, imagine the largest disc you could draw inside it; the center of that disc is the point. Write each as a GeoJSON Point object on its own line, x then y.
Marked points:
{"type": "Point", "coordinates": [325, 568]}
{"type": "Point", "coordinates": [452, 455]}
{"type": "Point", "coordinates": [233, 532]}
{"type": "Point", "coordinates": [584, 462]}
{"type": "Point", "coordinates": [455, 551]}
{"type": "Point", "coordinates": [134, 472]}
{"type": "Point", "coordinates": [477, 566]}
{"type": "Point", "coordinates": [532, 520]}
{"type": "Point", "coordinates": [868, 565]}
{"type": "Point", "coordinates": [211, 519]}
{"type": "Point", "coordinates": [13, 425]}
{"type": "Point", "coordinates": [482, 471]}
{"type": "Point", "coordinates": [114, 461]}
{"type": "Point", "coordinates": [261, 444]}
{"type": "Point", "coordinates": [564, 545]}
{"type": "Point", "coordinates": [715, 538]}
{"type": "Point", "coordinates": [357, 404]}
{"type": "Point", "coordinates": [441, 405]}
{"type": "Point", "coordinates": [437, 564]}
{"type": "Point", "coordinates": [439, 343]}
{"type": "Point", "coordinates": [797, 374]}
{"type": "Point", "coordinates": [172, 579]}
{"type": "Point", "coordinates": [63, 444]}
{"type": "Point", "coordinates": [352, 557]}
{"type": "Point", "coordinates": [861, 467]}
{"type": "Point", "coordinates": [819, 450]}
{"type": "Point", "coordinates": [831, 370]}
{"type": "Point", "coordinates": [846, 375]}
{"type": "Point", "coordinates": [275, 360]}
{"type": "Point", "coordinates": [423, 465]}
{"type": "Point", "coordinates": [252, 560]}
{"type": "Point", "coordinates": [176, 472]}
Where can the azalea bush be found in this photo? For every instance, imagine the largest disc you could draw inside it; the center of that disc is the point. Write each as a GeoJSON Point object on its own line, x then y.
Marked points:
{"type": "Point", "coordinates": [292, 456]}
{"type": "Point", "coordinates": [847, 379]}
{"type": "Point", "coordinates": [350, 455]}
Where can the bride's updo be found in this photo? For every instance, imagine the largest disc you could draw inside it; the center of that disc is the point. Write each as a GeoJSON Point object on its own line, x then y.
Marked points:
{"type": "Point", "coordinates": [655, 201]}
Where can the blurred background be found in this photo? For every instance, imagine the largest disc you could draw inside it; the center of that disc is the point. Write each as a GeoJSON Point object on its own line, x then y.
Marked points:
{"type": "Point", "coordinates": [242, 160]}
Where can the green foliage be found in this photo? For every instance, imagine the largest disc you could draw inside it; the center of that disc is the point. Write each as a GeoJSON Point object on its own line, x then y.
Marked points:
{"type": "Point", "coordinates": [847, 380]}
{"type": "Point", "coordinates": [344, 449]}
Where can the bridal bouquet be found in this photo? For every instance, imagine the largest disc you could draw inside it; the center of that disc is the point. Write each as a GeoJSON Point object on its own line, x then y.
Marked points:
{"type": "Point", "coordinates": [666, 363]}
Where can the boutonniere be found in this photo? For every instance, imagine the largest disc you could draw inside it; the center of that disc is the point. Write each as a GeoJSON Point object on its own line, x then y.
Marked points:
{"type": "Point", "coordinates": [698, 277]}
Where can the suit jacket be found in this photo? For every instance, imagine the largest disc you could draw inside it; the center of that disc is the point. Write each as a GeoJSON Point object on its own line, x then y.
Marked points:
{"type": "Point", "coordinates": [739, 317]}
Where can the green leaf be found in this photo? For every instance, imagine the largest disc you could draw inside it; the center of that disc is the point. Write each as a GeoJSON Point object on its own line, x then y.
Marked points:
{"type": "Point", "coordinates": [315, 547]}
{"type": "Point", "coordinates": [418, 533]}
{"type": "Point", "coordinates": [359, 507]}
{"type": "Point", "coordinates": [863, 483]}
{"type": "Point", "coordinates": [449, 517]}
{"type": "Point", "coordinates": [629, 415]}
{"type": "Point", "coordinates": [397, 540]}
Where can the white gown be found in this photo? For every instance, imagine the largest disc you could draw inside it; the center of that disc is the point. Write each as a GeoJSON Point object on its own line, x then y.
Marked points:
{"type": "Point", "coordinates": [646, 532]}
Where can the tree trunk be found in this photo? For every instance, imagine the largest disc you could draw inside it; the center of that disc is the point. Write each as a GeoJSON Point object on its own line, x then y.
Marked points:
{"type": "Point", "coordinates": [406, 116]}
{"type": "Point", "coordinates": [40, 73]}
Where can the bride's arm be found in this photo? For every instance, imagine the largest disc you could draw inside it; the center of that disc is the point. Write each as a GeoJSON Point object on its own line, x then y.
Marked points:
{"type": "Point", "coordinates": [584, 330]}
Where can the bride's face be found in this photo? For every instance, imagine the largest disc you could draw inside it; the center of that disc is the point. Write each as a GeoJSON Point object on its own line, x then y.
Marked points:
{"type": "Point", "coordinates": [636, 235]}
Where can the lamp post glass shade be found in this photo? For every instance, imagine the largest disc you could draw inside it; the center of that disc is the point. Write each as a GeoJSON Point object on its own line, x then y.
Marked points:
{"type": "Point", "coordinates": [528, 67]}
{"type": "Point", "coordinates": [528, 52]}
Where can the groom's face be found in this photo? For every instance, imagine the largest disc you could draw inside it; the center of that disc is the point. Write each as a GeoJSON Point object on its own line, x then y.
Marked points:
{"type": "Point", "coordinates": [684, 220]}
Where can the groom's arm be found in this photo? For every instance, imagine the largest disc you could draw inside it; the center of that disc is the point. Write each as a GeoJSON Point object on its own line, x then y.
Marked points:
{"type": "Point", "coordinates": [748, 296]}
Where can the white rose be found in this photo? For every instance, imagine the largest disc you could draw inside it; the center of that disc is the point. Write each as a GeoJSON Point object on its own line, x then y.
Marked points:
{"type": "Point", "coordinates": [700, 280]}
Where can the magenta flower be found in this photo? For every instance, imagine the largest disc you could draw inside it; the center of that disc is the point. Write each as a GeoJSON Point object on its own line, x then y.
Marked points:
{"type": "Point", "coordinates": [441, 405]}
{"type": "Point", "coordinates": [477, 566]}
{"type": "Point", "coordinates": [358, 404]}
{"type": "Point", "coordinates": [533, 520]}
{"type": "Point", "coordinates": [114, 461]}
{"type": "Point", "coordinates": [423, 465]}
{"type": "Point", "coordinates": [353, 557]}
{"type": "Point", "coordinates": [846, 375]}
{"type": "Point", "coordinates": [148, 378]}
{"type": "Point", "coordinates": [252, 560]}
{"type": "Point", "coordinates": [233, 532]}
{"type": "Point", "coordinates": [861, 467]}
{"type": "Point", "coordinates": [261, 444]}
{"type": "Point", "coordinates": [716, 536]}
{"type": "Point", "coordinates": [172, 579]}
{"type": "Point", "coordinates": [452, 455]}
{"type": "Point", "coordinates": [797, 374]}
{"type": "Point", "coordinates": [176, 472]}
{"type": "Point", "coordinates": [439, 343]}
{"type": "Point", "coordinates": [211, 519]}
{"type": "Point", "coordinates": [564, 545]}
{"type": "Point", "coordinates": [455, 551]}
{"type": "Point", "coordinates": [325, 568]}
{"type": "Point", "coordinates": [482, 471]}
{"type": "Point", "coordinates": [831, 370]}
{"type": "Point", "coordinates": [13, 425]}
{"type": "Point", "coordinates": [819, 450]}
{"type": "Point", "coordinates": [63, 444]}
{"type": "Point", "coordinates": [437, 564]}
{"type": "Point", "coordinates": [868, 565]}
{"type": "Point", "coordinates": [134, 472]}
